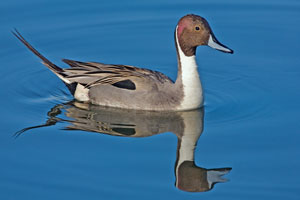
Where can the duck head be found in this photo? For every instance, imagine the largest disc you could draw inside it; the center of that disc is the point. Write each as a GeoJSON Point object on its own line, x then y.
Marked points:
{"type": "Point", "coordinates": [192, 31]}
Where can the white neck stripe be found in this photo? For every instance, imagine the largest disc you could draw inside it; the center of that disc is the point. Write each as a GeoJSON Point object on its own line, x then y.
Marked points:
{"type": "Point", "coordinates": [192, 88]}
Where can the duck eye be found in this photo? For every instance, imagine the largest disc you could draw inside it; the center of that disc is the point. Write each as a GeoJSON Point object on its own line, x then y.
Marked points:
{"type": "Point", "coordinates": [197, 28]}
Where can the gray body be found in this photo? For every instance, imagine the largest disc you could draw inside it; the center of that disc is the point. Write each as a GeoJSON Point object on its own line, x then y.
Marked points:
{"type": "Point", "coordinates": [149, 90]}
{"type": "Point", "coordinates": [164, 96]}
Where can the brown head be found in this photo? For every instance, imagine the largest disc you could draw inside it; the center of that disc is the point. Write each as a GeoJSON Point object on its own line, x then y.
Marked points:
{"type": "Point", "coordinates": [192, 31]}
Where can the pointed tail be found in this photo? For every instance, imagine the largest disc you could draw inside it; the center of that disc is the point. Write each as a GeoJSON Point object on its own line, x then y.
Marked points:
{"type": "Point", "coordinates": [48, 63]}
{"type": "Point", "coordinates": [54, 68]}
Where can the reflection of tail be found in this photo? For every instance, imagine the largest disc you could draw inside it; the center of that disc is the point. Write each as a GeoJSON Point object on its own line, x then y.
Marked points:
{"type": "Point", "coordinates": [54, 68]}
{"type": "Point", "coordinates": [49, 122]}
{"type": "Point", "coordinates": [53, 119]}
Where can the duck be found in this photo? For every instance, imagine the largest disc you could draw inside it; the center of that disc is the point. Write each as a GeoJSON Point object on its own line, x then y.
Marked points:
{"type": "Point", "coordinates": [129, 87]}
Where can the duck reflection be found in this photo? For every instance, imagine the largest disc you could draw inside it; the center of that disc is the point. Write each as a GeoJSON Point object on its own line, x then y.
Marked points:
{"type": "Point", "coordinates": [187, 126]}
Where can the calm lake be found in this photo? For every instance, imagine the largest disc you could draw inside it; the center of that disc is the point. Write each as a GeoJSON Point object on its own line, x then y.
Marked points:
{"type": "Point", "coordinates": [244, 143]}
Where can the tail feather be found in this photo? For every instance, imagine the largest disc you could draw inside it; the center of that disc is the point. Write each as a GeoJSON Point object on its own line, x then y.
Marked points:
{"type": "Point", "coordinates": [47, 62]}
{"type": "Point", "coordinates": [54, 68]}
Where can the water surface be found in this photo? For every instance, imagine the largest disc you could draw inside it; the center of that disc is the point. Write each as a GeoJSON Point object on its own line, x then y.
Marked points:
{"type": "Point", "coordinates": [251, 113]}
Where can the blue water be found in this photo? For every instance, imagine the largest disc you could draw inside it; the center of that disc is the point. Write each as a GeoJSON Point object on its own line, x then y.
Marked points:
{"type": "Point", "coordinates": [251, 114]}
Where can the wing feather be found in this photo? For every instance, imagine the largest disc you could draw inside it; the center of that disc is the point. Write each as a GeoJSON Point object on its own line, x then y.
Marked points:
{"type": "Point", "coordinates": [92, 73]}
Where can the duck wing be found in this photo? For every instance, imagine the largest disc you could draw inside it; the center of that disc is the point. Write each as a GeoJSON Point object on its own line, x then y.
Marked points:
{"type": "Point", "coordinates": [91, 74]}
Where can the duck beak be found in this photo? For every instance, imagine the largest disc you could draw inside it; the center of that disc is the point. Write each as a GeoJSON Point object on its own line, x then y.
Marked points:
{"type": "Point", "coordinates": [214, 43]}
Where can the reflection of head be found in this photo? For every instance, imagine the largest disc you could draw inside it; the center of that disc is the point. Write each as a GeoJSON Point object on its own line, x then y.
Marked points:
{"type": "Point", "coordinates": [191, 178]}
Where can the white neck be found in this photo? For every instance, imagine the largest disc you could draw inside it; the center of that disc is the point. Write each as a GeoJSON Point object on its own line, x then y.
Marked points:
{"type": "Point", "coordinates": [192, 88]}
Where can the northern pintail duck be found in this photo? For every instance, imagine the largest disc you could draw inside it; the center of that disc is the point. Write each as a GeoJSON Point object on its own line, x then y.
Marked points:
{"type": "Point", "coordinates": [129, 87]}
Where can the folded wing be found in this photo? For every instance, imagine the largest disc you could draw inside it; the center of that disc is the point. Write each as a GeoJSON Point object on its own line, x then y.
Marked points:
{"type": "Point", "coordinates": [90, 74]}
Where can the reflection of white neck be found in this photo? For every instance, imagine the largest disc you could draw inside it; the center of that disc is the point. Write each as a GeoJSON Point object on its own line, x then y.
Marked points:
{"type": "Point", "coordinates": [187, 147]}
{"type": "Point", "coordinates": [193, 127]}
{"type": "Point", "coordinates": [192, 88]}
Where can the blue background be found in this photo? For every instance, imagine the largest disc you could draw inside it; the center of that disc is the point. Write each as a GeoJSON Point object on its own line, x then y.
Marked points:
{"type": "Point", "coordinates": [252, 99]}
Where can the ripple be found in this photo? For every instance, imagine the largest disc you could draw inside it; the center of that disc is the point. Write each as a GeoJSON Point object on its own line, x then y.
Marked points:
{"type": "Point", "coordinates": [36, 84]}
{"type": "Point", "coordinates": [238, 98]}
